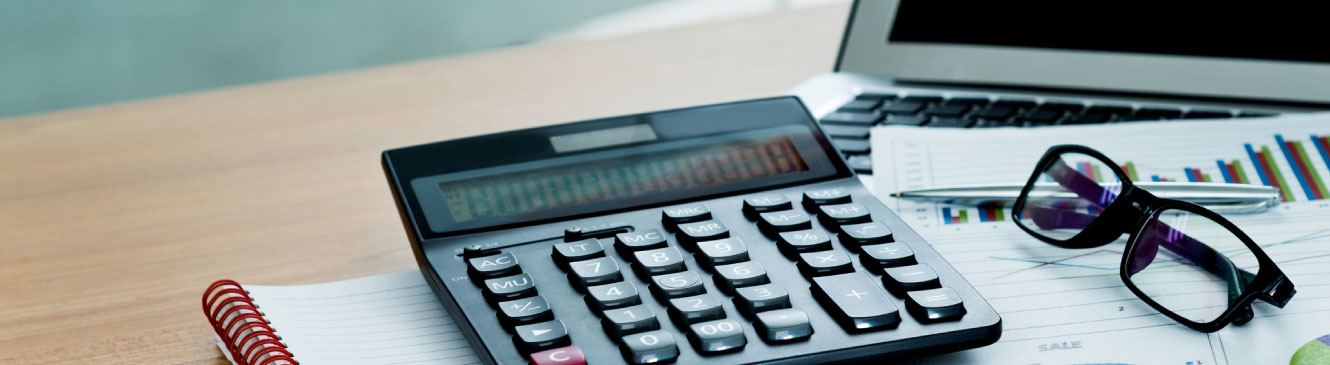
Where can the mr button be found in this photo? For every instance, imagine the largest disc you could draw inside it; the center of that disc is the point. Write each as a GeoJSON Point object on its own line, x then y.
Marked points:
{"type": "Point", "coordinates": [486, 267]}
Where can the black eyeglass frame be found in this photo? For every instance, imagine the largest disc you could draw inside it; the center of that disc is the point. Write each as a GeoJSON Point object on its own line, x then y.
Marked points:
{"type": "Point", "coordinates": [1131, 212]}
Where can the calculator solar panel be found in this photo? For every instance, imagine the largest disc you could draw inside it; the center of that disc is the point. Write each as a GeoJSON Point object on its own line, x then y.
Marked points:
{"type": "Point", "coordinates": [730, 233]}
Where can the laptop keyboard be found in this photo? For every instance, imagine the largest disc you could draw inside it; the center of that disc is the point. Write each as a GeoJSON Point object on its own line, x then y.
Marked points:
{"type": "Point", "coordinates": [849, 125]}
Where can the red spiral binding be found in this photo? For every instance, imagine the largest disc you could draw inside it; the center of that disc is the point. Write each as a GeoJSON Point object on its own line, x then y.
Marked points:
{"type": "Point", "coordinates": [249, 338]}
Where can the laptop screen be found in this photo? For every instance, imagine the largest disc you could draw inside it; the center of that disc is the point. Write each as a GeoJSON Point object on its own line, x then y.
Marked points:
{"type": "Point", "coordinates": [1211, 29]}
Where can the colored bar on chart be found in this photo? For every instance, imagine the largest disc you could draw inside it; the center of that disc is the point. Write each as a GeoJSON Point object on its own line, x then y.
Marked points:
{"type": "Point", "coordinates": [1130, 168]}
{"type": "Point", "coordinates": [1098, 174]}
{"type": "Point", "coordinates": [1155, 178]}
{"type": "Point", "coordinates": [990, 212]}
{"type": "Point", "coordinates": [1310, 170]}
{"type": "Point", "coordinates": [1322, 145]}
{"type": "Point", "coordinates": [1225, 171]}
{"type": "Point", "coordinates": [1297, 159]}
{"type": "Point", "coordinates": [1195, 175]}
{"type": "Point", "coordinates": [1241, 173]}
{"type": "Point", "coordinates": [961, 217]}
{"type": "Point", "coordinates": [1269, 171]}
{"type": "Point", "coordinates": [1085, 169]}
{"type": "Point", "coordinates": [946, 215]}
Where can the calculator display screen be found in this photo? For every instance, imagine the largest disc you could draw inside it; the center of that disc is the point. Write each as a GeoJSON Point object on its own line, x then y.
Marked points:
{"type": "Point", "coordinates": [618, 178]}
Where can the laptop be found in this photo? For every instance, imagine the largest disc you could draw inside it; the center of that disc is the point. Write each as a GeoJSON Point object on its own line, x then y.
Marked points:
{"type": "Point", "coordinates": [1029, 64]}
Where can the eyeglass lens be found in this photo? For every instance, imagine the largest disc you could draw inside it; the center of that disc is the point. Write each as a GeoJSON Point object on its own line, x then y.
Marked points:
{"type": "Point", "coordinates": [1191, 265]}
{"type": "Point", "coordinates": [1068, 194]}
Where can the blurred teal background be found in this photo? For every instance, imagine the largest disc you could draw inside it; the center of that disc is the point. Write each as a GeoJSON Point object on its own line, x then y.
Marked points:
{"type": "Point", "coordinates": [57, 54]}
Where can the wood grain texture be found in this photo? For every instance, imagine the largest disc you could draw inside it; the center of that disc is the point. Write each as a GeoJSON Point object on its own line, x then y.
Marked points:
{"type": "Point", "coordinates": [114, 219]}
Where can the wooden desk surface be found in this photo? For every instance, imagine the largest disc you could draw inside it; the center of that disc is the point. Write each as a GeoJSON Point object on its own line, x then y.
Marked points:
{"type": "Point", "coordinates": [114, 219]}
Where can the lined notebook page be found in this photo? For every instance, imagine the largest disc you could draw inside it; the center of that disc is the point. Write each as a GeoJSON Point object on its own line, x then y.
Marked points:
{"type": "Point", "coordinates": [382, 319]}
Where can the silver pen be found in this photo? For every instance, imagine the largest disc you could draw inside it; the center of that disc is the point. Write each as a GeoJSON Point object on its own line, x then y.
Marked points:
{"type": "Point", "coordinates": [1219, 197]}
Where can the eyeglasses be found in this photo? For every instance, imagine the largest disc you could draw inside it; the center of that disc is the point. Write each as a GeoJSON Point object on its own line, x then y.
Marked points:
{"type": "Point", "coordinates": [1186, 261]}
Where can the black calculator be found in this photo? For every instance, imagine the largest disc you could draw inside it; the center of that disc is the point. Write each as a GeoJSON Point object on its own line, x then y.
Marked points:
{"type": "Point", "coordinates": [725, 234]}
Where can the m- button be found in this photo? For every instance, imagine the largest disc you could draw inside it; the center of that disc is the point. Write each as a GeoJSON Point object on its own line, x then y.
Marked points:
{"type": "Point", "coordinates": [570, 355]}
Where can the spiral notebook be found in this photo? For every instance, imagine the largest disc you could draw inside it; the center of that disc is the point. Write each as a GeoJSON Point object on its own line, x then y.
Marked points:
{"type": "Point", "coordinates": [382, 319]}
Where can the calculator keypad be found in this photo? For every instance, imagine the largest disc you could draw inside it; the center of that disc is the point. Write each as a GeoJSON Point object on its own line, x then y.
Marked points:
{"type": "Point", "coordinates": [856, 300]}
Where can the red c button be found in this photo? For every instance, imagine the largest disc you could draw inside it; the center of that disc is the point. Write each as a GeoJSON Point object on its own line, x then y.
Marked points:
{"type": "Point", "coordinates": [570, 355]}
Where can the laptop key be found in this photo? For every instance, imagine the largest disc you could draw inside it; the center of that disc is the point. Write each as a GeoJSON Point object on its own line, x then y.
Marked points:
{"type": "Point", "coordinates": [1088, 118]}
{"type": "Point", "coordinates": [996, 112]}
{"type": "Point", "coordinates": [1015, 103]}
{"type": "Point", "coordinates": [860, 105]}
{"type": "Point", "coordinates": [968, 100]}
{"type": "Point", "coordinates": [860, 163]}
{"type": "Point", "coordinates": [1154, 113]}
{"type": "Point", "coordinates": [851, 146]}
{"type": "Point", "coordinates": [903, 119]}
{"type": "Point", "coordinates": [845, 131]}
{"type": "Point", "coordinates": [875, 96]}
{"type": "Point", "coordinates": [951, 123]}
{"type": "Point", "coordinates": [1255, 114]}
{"type": "Point", "coordinates": [1203, 114]}
{"type": "Point", "coordinates": [902, 107]}
{"type": "Point", "coordinates": [859, 119]}
{"type": "Point", "coordinates": [922, 98]}
{"type": "Point", "coordinates": [1066, 106]}
{"type": "Point", "coordinates": [948, 110]}
{"type": "Point", "coordinates": [1117, 110]}
{"type": "Point", "coordinates": [1041, 117]}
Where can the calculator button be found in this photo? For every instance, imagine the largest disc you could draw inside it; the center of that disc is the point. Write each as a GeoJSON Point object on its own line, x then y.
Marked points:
{"type": "Point", "coordinates": [823, 263]}
{"type": "Point", "coordinates": [685, 214]}
{"type": "Point", "coordinates": [855, 235]}
{"type": "Point", "coordinates": [789, 220]}
{"type": "Point", "coordinates": [717, 336]}
{"type": "Point", "coordinates": [844, 214]}
{"type": "Point", "coordinates": [615, 295]}
{"type": "Point", "coordinates": [765, 203]}
{"type": "Point", "coordinates": [570, 355]}
{"type": "Point", "coordinates": [814, 198]}
{"type": "Point", "coordinates": [784, 325]}
{"type": "Point", "coordinates": [626, 321]}
{"type": "Point", "coordinates": [541, 336]}
{"type": "Point", "coordinates": [877, 257]}
{"type": "Point", "coordinates": [910, 278]}
{"type": "Point", "coordinates": [856, 302]}
{"type": "Point", "coordinates": [524, 311]}
{"type": "Point", "coordinates": [807, 240]}
{"type": "Point", "coordinates": [694, 309]}
{"type": "Point", "coordinates": [729, 277]}
{"type": "Point", "coordinates": [703, 231]}
{"type": "Point", "coordinates": [493, 266]}
{"type": "Point", "coordinates": [935, 305]}
{"type": "Point", "coordinates": [677, 285]}
{"type": "Point", "coordinates": [594, 272]}
{"type": "Point", "coordinates": [639, 240]}
{"type": "Point", "coordinates": [650, 347]}
{"type": "Point", "coordinates": [754, 299]}
{"type": "Point", "coordinates": [722, 251]}
{"type": "Point", "coordinates": [576, 251]}
{"type": "Point", "coordinates": [509, 288]}
{"type": "Point", "coordinates": [658, 261]}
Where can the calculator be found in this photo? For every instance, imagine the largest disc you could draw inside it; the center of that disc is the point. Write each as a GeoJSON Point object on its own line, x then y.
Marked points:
{"type": "Point", "coordinates": [725, 234]}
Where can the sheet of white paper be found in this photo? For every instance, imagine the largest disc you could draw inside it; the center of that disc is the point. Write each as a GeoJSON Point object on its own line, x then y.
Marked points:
{"type": "Point", "coordinates": [1070, 306]}
{"type": "Point", "coordinates": [382, 319]}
